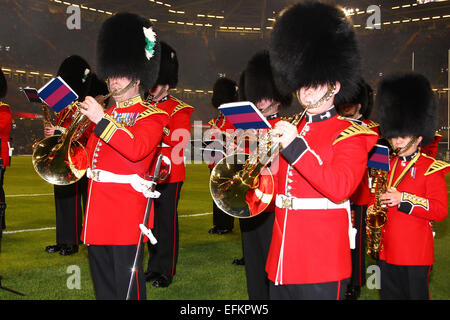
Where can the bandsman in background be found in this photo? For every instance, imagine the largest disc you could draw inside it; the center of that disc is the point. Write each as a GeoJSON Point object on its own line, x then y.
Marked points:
{"type": "Point", "coordinates": [5, 129]}
{"type": "Point", "coordinates": [225, 90]}
{"type": "Point", "coordinates": [359, 108]}
{"type": "Point", "coordinates": [120, 150]}
{"type": "Point", "coordinates": [322, 158]}
{"type": "Point", "coordinates": [259, 87]}
{"type": "Point", "coordinates": [70, 200]}
{"type": "Point", "coordinates": [164, 255]}
{"type": "Point", "coordinates": [416, 188]}
{"type": "Point", "coordinates": [432, 149]}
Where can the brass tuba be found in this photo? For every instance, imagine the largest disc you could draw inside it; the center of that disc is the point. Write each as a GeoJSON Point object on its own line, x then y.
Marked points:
{"type": "Point", "coordinates": [61, 159]}
{"type": "Point", "coordinates": [377, 213]}
{"type": "Point", "coordinates": [238, 176]}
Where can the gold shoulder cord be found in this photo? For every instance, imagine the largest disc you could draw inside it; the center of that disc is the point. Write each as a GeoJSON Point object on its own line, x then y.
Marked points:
{"type": "Point", "coordinates": [404, 172]}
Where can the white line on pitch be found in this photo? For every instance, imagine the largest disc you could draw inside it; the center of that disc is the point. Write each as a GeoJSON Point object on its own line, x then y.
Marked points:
{"type": "Point", "coordinates": [52, 228]}
{"type": "Point", "coordinates": [28, 230]}
{"type": "Point", "coordinates": [195, 215]}
{"type": "Point", "coordinates": [28, 195]}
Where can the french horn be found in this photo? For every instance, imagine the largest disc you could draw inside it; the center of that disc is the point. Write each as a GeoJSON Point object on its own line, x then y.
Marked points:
{"type": "Point", "coordinates": [241, 184]}
{"type": "Point", "coordinates": [61, 159]}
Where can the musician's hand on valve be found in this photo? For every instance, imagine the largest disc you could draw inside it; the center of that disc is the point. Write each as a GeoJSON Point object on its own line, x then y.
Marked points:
{"type": "Point", "coordinates": [49, 130]}
{"type": "Point", "coordinates": [391, 198]}
{"type": "Point", "coordinates": [92, 109]}
{"type": "Point", "coordinates": [284, 133]}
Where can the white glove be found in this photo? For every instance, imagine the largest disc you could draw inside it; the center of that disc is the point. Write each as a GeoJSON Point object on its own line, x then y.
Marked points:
{"type": "Point", "coordinates": [151, 194]}
{"type": "Point", "coordinates": [148, 233]}
{"type": "Point", "coordinates": [145, 186]}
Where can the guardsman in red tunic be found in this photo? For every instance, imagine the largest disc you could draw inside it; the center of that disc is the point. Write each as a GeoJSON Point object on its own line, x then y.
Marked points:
{"type": "Point", "coordinates": [322, 159]}
{"type": "Point", "coordinates": [259, 87]}
{"type": "Point", "coordinates": [432, 149]}
{"type": "Point", "coordinates": [70, 200]}
{"type": "Point", "coordinates": [225, 90]}
{"type": "Point", "coordinates": [416, 188]}
{"type": "Point", "coordinates": [120, 152]}
{"type": "Point", "coordinates": [163, 256]}
{"type": "Point", "coordinates": [358, 109]}
{"type": "Point", "coordinates": [5, 129]}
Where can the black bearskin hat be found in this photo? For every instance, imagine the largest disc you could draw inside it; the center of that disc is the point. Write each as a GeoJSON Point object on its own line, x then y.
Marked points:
{"type": "Point", "coordinates": [259, 83]}
{"type": "Point", "coordinates": [242, 95]}
{"type": "Point", "coordinates": [123, 48]}
{"type": "Point", "coordinates": [168, 70]}
{"type": "Point", "coordinates": [75, 71]}
{"type": "Point", "coordinates": [407, 106]}
{"type": "Point", "coordinates": [97, 87]}
{"type": "Point", "coordinates": [363, 96]}
{"type": "Point", "coordinates": [225, 90]}
{"type": "Point", "coordinates": [313, 44]}
{"type": "Point", "coordinates": [3, 85]}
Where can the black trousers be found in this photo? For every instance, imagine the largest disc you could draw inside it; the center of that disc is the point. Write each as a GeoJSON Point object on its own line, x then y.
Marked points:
{"type": "Point", "coordinates": [358, 277]}
{"type": "Point", "coordinates": [222, 220]}
{"type": "Point", "coordinates": [404, 282]}
{"type": "Point", "coordinates": [111, 271]}
{"type": "Point", "coordinates": [315, 291]}
{"type": "Point", "coordinates": [256, 236]}
{"type": "Point", "coordinates": [2, 200]}
{"type": "Point", "coordinates": [70, 202]}
{"type": "Point", "coordinates": [163, 256]}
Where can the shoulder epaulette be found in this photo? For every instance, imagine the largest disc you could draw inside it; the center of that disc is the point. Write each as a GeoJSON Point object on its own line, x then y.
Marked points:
{"type": "Point", "coordinates": [150, 110]}
{"type": "Point", "coordinates": [437, 134]}
{"type": "Point", "coordinates": [3, 104]}
{"type": "Point", "coordinates": [353, 130]}
{"type": "Point", "coordinates": [357, 121]}
{"type": "Point", "coordinates": [181, 105]}
{"type": "Point", "coordinates": [436, 165]}
{"type": "Point", "coordinates": [372, 124]}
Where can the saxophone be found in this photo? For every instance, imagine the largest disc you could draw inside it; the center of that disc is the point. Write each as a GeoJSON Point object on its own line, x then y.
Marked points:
{"type": "Point", "coordinates": [376, 213]}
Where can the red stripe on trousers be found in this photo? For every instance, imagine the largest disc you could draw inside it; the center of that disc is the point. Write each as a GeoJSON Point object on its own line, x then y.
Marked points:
{"type": "Point", "coordinates": [76, 211]}
{"type": "Point", "coordinates": [361, 208]}
{"type": "Point", "coordinates": [428, 282]}
{"type": "Point", "coordinates": [174, 230]}
{"type": "Point", "coordinates": [338, 289]}
{"type": "Point", "coordinates": [137, 282]}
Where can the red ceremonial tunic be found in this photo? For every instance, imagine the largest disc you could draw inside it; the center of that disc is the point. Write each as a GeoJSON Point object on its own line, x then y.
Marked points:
{"type": "Point", "coordinates": [65, 118]}
{"type": "Point", "coordinates": [432, 149]}
{"type": "Point", "coordinates": [5, 129]}
{"type": "Point", "coordinates": [407, 236]}
{"type": "Point", "coordinates": [326, 161]}
{"type": "Point", "coordinates": [222, 124]}
{"type": "Point", "coordinates": [266, 181]}
{"type": "Point", "coordinates": [124, 142]}
{"type": "Point", "coordinates": [274, 170]}
{"type": "Point", "coordinates": [178, 136]}
{"type": "Point", "coordinates": [361, 196]}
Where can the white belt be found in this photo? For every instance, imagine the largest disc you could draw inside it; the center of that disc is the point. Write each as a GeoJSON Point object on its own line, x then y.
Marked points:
{"type": "Point", "coordinates": [139, 184]}
{"type": "Point", "coordinates": [285, 202]}
{"type": "Point", "coordinates": [163, 145]}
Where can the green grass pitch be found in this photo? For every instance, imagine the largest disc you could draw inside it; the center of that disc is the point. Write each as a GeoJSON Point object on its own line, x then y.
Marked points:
{"type": "Point", "coordinates": [204, 271]}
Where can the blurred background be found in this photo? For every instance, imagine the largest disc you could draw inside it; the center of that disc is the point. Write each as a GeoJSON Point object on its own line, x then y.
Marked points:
{"type": "Point", "coordinates": [212, 38]}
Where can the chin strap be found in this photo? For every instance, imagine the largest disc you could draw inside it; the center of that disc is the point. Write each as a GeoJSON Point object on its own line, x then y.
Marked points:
{"type": "Point", "coordinates": [327, 96]}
